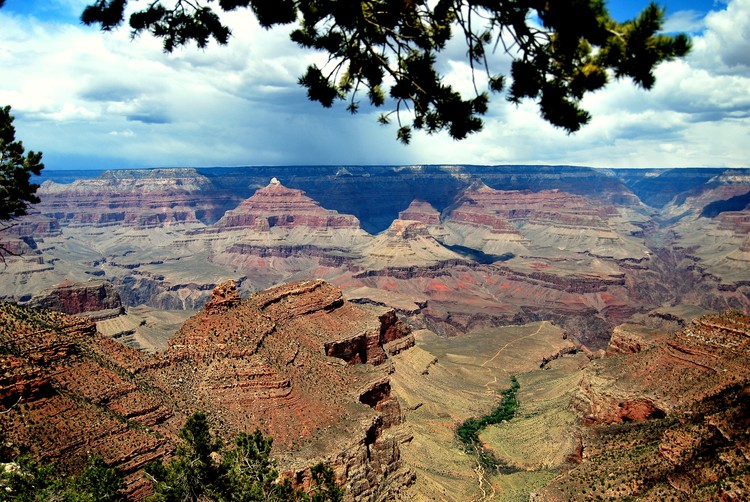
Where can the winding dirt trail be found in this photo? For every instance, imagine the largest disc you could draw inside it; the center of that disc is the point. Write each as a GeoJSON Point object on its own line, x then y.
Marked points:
{"type": "Point", "coordinates": [511, 343]}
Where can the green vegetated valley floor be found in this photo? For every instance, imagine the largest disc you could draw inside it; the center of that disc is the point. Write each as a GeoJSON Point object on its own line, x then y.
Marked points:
{"type": "Point", "coordinates": [444, 381]}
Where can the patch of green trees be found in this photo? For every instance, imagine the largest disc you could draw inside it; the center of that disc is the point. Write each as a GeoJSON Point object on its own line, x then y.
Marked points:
{"type": "Point", "coordinates": [468, 432]}
{"type": "Point", "coordinates": [204, 470]}
{"type": "Point", "coordinates": [26, 480]}
{"type": "Point", "coordinates": [16, 167]}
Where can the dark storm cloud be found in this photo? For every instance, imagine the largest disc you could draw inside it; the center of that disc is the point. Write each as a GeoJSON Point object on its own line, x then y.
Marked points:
{"type": "Point", "coordinates": [149, 118]}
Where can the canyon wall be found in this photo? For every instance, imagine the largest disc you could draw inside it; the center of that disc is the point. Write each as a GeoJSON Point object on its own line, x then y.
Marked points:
{"type": "Point", "coordinates": [288, 360]}
{"type": "Point", "coordinates": [452, 248]}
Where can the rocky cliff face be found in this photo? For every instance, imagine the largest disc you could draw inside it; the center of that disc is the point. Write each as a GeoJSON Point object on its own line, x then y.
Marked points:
{"type": "Point", "coordinates": [548, 219]}
{"type": "Point", "coordinates": [668, 370]}
{"type": "Point", "coordinates": [67, 391]}
{"type": "Point", "coordinates": [138, 198]}
{"type": "Point", "coordinates": [667, 420]}
{"type": "Point", "coordinates": [95, 299]}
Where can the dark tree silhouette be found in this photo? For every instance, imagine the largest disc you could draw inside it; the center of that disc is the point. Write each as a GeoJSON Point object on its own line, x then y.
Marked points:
{"type": "Point", "coordinates": [16, 168]}
{"type": "Point", "coordinates": [560, 50]}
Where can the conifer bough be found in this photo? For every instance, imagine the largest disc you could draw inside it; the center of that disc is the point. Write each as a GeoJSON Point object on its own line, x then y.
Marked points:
{"type": "Point", "coordinates": [16, 168]}
{"type": "Point", "coordinates": [560, 50]}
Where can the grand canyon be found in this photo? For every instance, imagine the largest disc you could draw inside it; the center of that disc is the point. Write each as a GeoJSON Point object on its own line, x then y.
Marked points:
{"type": "Point", "coordinates": [360, 314]}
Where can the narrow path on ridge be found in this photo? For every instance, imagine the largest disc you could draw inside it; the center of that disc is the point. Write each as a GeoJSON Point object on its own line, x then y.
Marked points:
{"type": "Point", "coordinates": [510, 343]}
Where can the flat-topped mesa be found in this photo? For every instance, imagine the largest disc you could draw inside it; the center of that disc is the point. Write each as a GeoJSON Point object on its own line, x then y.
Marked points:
{"type": "Point", "coordinates": [477, 207]}
{"type": "Point", "coordinates": [293, 300]}
{"type": "Point", "coordinates": [278, 206]}
{"type": "Point", "coordinates": [96, 299]}
{"type": "Point", "coordinates": [334, 326]}
{"type": "Point", "coordinates": [34, 224]}
{"type": "Point", "coordinates": [140, 198]}
{"type": "Point", "coordinates": [420, 211]}
{"type": "Point", "coordinates": [350, 332]}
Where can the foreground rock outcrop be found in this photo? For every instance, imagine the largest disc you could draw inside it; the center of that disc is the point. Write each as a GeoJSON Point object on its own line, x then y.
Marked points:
{"type": "Point", "coordinates": [67, 391]}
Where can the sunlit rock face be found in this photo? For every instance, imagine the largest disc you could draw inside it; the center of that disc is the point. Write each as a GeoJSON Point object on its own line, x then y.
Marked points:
{"type": "Point", "coordinates": [94, 298]}
{"type": "Point", "coordinates": [287, 360]}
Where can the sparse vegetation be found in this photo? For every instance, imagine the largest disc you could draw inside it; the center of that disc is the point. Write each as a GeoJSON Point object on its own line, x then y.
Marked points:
{"type": "Point", "coordinates": [634, 460]}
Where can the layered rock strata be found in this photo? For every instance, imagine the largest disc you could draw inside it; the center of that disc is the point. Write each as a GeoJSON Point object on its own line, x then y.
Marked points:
{"type": "Point", "coordinates": [668, 420]}
{"type": "Point", "coordinates": [260, 362]}
{"type": "Point", "coordinates": [278, 206]}
{"type": "Point", "coordinates": [67, 392]}
{"type": "Point", "coordinates": [138, 198]}
{"type": "Point", "coordinates": [95, 299]}
{"type": "Point", "coordinates": [666, 371]}
{"type": "Point", "coordinates": [595, 255]}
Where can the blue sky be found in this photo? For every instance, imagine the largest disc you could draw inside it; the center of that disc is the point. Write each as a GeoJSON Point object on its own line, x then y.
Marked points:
{"type": "Point", "coordinates": [93, 100]}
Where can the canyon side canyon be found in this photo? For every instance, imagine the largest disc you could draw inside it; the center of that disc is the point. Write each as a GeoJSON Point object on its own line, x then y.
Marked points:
{"type": "Point", "coordinates": [360, 314]}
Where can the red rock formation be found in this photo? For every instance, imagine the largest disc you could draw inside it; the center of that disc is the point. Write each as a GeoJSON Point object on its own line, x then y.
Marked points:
{"type": "Point", "coordinates": [95, 298]}
{"type": "Point", "coordinates": [34, 225]}
{"type": "Point", "coordinates": [223, 297]}
{"type": "Point", "coordinates": [66, 391]}
{"type": "Point", "coordinates": [63, 397]}
{"type": "Point", "coordinates": [502, 210]}
{"type": "Point", "coordinates": [477, 207]}
{"type": "Point", "coordinates": [278, 206]}
{"type": "Point", "coordinates": [693, 391]}
{"type": "Point", "coordinates": [630, 339]}
{"type": "Point", "coordinates": [266, 354]}
{"type": "Point", "coordinates": [698, 361]}
{"type": "Point", "coordinates": [420, 211]}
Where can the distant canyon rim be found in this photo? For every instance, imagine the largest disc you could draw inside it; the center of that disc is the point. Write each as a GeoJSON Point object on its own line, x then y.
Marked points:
{"type": "Point", "coordinates": [450, 248]}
